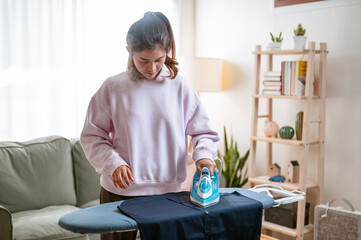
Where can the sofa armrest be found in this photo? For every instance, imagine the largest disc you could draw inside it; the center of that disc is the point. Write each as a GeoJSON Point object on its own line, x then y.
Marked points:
{"type": "Point", "coordinates": [6, 224]}
{"type": "Point", "coordinates": [87, 183]}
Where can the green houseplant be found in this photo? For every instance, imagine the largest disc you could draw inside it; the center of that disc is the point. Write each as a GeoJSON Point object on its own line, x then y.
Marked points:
{"type": "Point", "coordinates": [276, 39]}
{"type": "Point", "coordinates": [299, 31]}
{"type": "Point", "coordinates": [276, 42]}
{"type": "Point", "coordinates": [233, 164]}
{"type": "Point", "coordinates": [299, 40]}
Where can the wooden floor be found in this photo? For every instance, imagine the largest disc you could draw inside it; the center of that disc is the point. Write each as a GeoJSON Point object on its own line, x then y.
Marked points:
{"type": "Point", "coordinates": [265, 237]}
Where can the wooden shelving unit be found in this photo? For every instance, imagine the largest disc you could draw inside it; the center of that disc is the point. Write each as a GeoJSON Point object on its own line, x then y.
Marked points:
{"type": "Point", "coordinates": [308, 99]}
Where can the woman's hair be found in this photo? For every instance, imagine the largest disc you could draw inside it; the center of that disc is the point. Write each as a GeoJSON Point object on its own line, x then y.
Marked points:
{"type": "Point", "coordinates": [153, 30]}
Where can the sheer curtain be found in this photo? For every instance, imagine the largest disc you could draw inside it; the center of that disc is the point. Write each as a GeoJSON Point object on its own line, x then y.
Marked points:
{"type": "Point", "coordinates": [55, 54]}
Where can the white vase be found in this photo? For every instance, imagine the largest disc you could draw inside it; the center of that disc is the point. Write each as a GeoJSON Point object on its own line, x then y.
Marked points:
{"type": "Point", "coordinates": [274, 46]}
{"type": "Point", "coordinates": [299, 42]}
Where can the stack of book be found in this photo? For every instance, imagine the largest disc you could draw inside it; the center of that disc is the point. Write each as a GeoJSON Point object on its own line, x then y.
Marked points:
{"type": "Point", "coordinates": [293, 78]}
{"type": "Point", "coordinates": [272, 83]}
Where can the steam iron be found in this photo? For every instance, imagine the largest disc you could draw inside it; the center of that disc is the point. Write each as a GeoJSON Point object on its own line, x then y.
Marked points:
{"type": "Point", "coordinates": [204, 191]}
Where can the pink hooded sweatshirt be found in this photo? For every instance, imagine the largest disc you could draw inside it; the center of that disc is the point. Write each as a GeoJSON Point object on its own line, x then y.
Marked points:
{"type": "Point", "coordinates": [144, 125]}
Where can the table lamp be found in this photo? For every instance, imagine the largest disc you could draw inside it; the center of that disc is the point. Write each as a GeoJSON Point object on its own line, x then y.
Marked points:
{"type": "Point", "coordinates": [204, 75]}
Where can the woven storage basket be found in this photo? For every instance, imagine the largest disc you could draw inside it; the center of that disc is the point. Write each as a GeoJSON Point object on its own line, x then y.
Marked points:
{"type": "Point", "coordinates": [336, 223]}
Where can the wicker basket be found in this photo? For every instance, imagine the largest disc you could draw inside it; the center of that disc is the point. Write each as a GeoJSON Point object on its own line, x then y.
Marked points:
{"type": "Point", "coordinates": [337, 223]}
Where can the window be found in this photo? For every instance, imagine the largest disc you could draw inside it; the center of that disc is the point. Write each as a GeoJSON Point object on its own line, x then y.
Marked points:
{"type": "Point", "coordinates": [55, 54]}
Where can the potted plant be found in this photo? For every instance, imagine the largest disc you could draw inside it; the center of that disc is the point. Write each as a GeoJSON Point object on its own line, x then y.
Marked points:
{"type": "Point", "coordinates": [233, 164]}
{"type": "Point", "coordinates": [299, 40]}
{"type": "Point", "coordinates": [276, 42]}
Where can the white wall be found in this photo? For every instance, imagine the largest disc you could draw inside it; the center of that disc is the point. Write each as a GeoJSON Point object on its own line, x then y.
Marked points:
{"type": "Point", "coordinates": [231, 29]}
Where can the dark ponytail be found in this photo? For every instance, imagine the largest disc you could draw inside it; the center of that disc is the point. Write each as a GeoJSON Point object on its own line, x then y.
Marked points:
{"type": "Point", "coordinates": [170, 62]}
{"type": "Point", "coordinates": [152, 30]}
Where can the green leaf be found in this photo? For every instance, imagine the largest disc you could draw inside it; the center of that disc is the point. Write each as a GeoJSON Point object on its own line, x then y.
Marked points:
{"type": "Point", "coordinates": [243, 182]}
{"type": "Point", "coordinates": [272, 38]}
{"type": "Point", "coordinates": [234, 173]}
{"type": "Point", "coordinates": [225, 141]}
{"type": "Point", "coordinates": [233, 164]}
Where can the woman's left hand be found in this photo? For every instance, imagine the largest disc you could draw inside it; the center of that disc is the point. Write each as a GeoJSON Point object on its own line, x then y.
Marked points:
{"type": "Point", "coordinates": [205, 162]}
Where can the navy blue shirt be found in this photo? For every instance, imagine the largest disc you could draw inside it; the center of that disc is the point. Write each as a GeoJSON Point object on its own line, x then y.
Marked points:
{"type": "Point", "coordinates": [173, 216]}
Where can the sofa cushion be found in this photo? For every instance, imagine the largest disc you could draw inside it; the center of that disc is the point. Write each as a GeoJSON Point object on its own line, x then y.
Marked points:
{"type": "Point", "coordinates": [87, 180]}
{"type": "Point", "coordinates": [42, 223]}
{"type": "Point", "coordinates": [90, 204]}
{"type": "Point", "coordinates": [36, 174]}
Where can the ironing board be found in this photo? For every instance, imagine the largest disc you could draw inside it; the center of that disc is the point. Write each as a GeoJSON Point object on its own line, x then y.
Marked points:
{"type": "Point", "coordinates": [106, 218]}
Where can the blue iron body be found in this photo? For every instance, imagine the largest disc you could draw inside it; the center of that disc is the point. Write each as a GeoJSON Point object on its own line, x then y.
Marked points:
{"type": "Point", "coordinates": [205, 191]}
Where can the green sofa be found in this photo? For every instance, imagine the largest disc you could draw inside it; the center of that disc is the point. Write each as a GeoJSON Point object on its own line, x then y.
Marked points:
{"type": "Point", "coordinates": [40, 181]}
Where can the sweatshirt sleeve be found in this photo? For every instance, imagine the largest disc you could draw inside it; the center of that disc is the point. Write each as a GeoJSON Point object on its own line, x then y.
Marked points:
{"type": "Point", "coordinates": [96, 137]}
{"type": "Point", "coordinates": [204, 139]}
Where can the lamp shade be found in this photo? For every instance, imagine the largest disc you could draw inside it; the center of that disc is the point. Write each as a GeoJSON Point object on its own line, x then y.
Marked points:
{"type": "Point", "coordinates": [204, 74]}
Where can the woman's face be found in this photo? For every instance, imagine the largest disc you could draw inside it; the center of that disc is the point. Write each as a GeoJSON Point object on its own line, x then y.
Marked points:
{"type": "Point", "coordinates": [149, 62]}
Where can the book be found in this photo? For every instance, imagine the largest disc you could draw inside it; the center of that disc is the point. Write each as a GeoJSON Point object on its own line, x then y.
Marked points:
{"type": "Point", "coordinates": [272, 83]}
{"type": "Point", "coordinates": [268, 91]}
{"type": "Point", "coordinates": [300, 82]}
{"type": "Point", "coordinates": [272, 73]}
{"type": "Point", "coordinates": [293, 78]}
{"type": "Point", "coordinates": [272, 78]}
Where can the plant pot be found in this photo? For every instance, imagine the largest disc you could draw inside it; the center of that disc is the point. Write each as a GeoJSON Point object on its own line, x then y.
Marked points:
{"type": "Point", "coordinates": [299, 42]}
{"type": "Point", "coordinates": [299, 125]}
{"type": "Point", "coordinates": [274, 46]}
{"type": "Point", "coordinates": [286, 132]}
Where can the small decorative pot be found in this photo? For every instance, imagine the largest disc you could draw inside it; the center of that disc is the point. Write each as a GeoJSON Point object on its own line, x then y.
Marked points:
{"type": "Point", "coordinates": [286, 132]}
{"type": "Point", "coordinates": [299, 42]}
{"type": "Point", "coordinates": [299, 125]}
{"type": "Point", "coordinates": [274, 46]}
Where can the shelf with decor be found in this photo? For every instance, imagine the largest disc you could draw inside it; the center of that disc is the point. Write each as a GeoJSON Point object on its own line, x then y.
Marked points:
{"type": "Point", "coordinates": [314, 94]}
{"type": "Point", "coordinates": [284, 97]}
{"type": "Point", "coordinates": [283, 141]}
{"type": "Point", "coordinates": [287, 52]}
{"type": "Point", "coordinates": [288, 186]}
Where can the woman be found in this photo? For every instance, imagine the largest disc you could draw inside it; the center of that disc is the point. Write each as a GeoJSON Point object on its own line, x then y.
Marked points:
{"type": "Point", "coordinates": [136, 128]}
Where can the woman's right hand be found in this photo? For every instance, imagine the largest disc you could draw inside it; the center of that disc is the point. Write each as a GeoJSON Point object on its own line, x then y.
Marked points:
{"type": "Point", "coordinates": [122, 177]}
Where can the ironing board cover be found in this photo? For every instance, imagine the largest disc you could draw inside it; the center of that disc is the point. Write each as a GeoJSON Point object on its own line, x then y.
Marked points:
{"type": "Point", "coordinates": [106, 218]}
{"type": "Point", "coordinates": [174, 216]}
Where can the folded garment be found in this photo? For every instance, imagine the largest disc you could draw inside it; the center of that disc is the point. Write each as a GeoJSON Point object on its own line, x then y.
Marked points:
{"type": "Point", "coordinates": [173, 216]}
